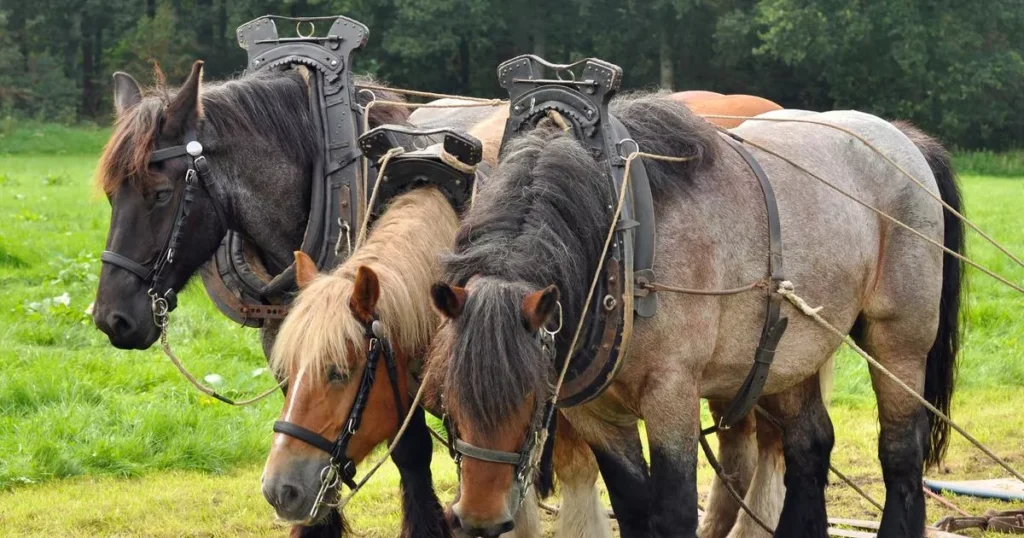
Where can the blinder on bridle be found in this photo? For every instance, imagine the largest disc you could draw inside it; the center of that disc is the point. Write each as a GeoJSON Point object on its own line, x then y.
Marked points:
{"type": "Point", "coordinates": [153, 273]}
{"type": "Point", "coordinates": [341, 467]}
{"type": "Point", "coordinates": [527, 460]}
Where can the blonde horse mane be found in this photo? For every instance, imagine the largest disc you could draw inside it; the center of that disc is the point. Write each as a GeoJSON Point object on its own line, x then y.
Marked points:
{"type": "Point", "coordinates": [402, 249]}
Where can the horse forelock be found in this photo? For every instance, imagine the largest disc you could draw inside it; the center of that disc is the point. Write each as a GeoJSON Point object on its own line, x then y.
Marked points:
{"type": "Point", "coordinates": [402, 250]}
{"type": "Point", "coordinates": [125, 158]}
{"type": "Point", "coordinates": [495, 363]}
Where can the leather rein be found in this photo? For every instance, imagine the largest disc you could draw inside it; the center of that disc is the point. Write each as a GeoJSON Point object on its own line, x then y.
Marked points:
{"type": "Point", "coordinates": [341, 467]}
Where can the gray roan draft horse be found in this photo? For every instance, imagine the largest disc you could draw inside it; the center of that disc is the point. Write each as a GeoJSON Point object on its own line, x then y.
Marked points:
{"type": "Point", "coordinates": [532, 242]}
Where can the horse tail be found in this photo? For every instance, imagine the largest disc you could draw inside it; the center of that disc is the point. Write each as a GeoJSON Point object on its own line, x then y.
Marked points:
{"type": "Point", "coordinates": [940, 371]}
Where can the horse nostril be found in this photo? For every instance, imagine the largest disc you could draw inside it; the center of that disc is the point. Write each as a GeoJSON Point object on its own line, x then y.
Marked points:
{"type": "Point", "coordinates": [288, 495]}
{"type": "Point", "coordinates": [119, 324]}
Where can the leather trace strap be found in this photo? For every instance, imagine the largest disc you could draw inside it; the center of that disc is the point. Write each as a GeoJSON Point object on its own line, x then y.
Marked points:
{"type": "Point", "coordinates": [340, 464]}
{"type": "Point", "coordinates": [774, 325]}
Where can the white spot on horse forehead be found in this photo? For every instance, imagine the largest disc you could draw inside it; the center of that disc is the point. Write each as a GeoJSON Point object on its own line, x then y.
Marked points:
{"type": "Point", "coordinates": [292, 390]}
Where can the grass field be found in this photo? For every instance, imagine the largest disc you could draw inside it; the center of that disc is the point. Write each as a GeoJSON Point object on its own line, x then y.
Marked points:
{"type": "Point", "coordinates": [95, 441]}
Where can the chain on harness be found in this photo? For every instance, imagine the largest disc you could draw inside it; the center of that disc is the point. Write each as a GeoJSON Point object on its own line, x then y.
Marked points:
{"type": "Point", "coordinates": [341, 468]}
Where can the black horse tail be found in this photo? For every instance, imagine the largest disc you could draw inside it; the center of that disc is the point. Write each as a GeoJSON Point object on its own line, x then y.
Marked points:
{"type": "Point", "coordinates": [940, 372]}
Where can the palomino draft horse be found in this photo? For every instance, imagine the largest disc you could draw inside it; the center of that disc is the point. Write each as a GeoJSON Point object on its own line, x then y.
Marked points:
{"type": "Point", "coordinates": [532, 241]}
{"type": "Point", "coordinates": [322, 350]}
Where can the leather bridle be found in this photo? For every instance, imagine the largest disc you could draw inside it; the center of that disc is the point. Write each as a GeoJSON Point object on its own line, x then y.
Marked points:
{"type": "Point", "coordinates": [341, 466]}
{"type": "Point", "coordinates": [152, 273]}
{"type": "Point", "coordinates": [527, 459]}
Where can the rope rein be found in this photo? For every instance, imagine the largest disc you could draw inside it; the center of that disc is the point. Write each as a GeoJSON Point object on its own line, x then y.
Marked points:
{"type": "Point", "coordinates": [431, 95]}
{"type": "Point", "coordinates": [888, 217]}
{"type": "Point", "coordinates": [195, 382]}
{"type": "Point", "coordinates": [382, 166]}
{"type": "Point", "coordinates": [786, 289]}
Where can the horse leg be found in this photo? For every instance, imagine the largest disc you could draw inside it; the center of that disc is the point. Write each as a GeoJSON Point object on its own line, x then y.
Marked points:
{"type": "Point", "coordinates": [737, 453]}
{"type": "Point", "coordinates": [671, 411]}
{"type": "Point", "coordinates": [766, 491]}
{"type": "Point", "coordinates": [422, 513]}
{"type": "Point", "coordinates": [620, 457]}
{"type": "Point", "coordinates": [903, 439]}
{"type": "Point", "coordinates": [807, 440]}
{"type": "Point", "coordinates": [581, 514]}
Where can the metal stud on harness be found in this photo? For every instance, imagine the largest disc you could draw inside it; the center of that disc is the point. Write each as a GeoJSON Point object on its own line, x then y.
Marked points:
{"type": "Point", "coordinates": [341, 467]}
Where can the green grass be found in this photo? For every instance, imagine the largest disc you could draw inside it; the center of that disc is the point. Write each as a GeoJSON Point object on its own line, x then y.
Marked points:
{"type": "Point", "coordinates": [990, 163]}
{"type": "Point", "coordinates": [97, 441]}
{"type": "Point", "coordinates": [25, 137]}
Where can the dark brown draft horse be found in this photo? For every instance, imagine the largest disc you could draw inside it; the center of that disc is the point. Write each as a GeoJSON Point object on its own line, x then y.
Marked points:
{"type": "Point", "coordinates": [532, 242]}
{"type": "Point", "coordinates": [260, 142]}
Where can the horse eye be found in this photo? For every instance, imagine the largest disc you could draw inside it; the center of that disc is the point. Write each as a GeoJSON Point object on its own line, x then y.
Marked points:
{"type": "Point", "coordinates": [163, 196]}
{"type": "Point", "coordinates": [335, 375]}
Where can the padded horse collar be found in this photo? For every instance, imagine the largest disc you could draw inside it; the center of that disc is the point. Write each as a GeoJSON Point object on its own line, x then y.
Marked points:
{"type": "Point", "coordinates": [344, 467]}
{"type": "Point", "coordinates": [583, 103]}
{"type": "Point", "coordinates": [233, 279]}
{"type": "Point", "coordinates": [427, 167]}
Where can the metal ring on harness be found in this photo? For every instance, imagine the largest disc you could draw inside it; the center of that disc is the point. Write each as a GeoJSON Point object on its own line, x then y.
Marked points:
{"type": "Point", "coordinates": [373, 98]}
{"type": "Point", "coordinates": [312, 29]}
{"type": "Point", "coordinates": [622, 143]}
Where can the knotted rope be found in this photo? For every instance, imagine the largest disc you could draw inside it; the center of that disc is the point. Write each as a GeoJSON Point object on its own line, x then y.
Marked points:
{"type": "Point", "coordinates": [786, 289]}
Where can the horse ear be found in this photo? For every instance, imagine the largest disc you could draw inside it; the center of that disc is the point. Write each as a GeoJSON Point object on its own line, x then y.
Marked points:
{"type": "Point", "coordinates": [305, 269]}
{"type": "Point", "coordinates": [186, 108]}
{"type": "Point", "coordinates": [126, 92]}
{"type": "Point", "coordinates": [365, 294]}
{"type": "Point", "coordinates": [448, 300]}
{"type": "Point", "coordinates": [539, 306]}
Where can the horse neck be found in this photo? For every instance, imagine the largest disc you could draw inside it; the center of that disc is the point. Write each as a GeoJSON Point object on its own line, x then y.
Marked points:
{"type": "Point", "coordinates": [402, 249]}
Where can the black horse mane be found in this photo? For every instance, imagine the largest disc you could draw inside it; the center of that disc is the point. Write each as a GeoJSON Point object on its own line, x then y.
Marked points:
{"type": "Point", "coordinates": [542, 219]}
{"type": "Point", "coordinates": [268, 104]}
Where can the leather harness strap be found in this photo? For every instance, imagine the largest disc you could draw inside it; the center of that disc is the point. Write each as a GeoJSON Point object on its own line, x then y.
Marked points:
{"type": "Point", "coordinates": [774, 325]}
{"type": "Point", "coordinates": [346, 468]}
{"type": "Point", "coordinates": [486, 454]}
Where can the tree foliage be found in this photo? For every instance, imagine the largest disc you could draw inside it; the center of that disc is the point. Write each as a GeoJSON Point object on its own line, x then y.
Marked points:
{"type": "Point", "coordinates": [955, 68]}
